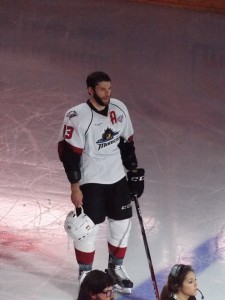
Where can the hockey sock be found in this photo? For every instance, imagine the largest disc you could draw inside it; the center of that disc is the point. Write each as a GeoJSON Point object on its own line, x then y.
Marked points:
{"type": "Point", "coordinates": [115, 261]}
{"type": "Point", "coordinates": [116, 254]}
{"type": "Point", "coordinates": [84, 268]}
{"type": "Point", "coordinates": [84, 258]}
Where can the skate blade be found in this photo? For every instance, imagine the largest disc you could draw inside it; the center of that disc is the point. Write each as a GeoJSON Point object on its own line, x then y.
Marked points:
{"type": "Point", "coordinates": [122, 290]}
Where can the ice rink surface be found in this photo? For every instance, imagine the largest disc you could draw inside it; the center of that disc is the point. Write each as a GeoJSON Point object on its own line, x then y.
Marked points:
{"type": "Point", "coordinates": [168, 66]}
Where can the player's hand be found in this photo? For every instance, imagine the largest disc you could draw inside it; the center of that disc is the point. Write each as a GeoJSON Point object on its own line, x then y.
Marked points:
{"type": "Point", "coordinates": [136, 182]}
{"type": "Point", "coordinates": [76, 195]}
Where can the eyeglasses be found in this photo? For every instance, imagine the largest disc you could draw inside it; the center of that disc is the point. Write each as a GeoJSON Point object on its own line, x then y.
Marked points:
{"type": "Point", "coordinates": [108, 293]}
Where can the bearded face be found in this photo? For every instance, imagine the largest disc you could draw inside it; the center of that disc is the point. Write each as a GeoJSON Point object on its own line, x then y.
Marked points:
{"type": "Point", "coordinates": [101, 93]}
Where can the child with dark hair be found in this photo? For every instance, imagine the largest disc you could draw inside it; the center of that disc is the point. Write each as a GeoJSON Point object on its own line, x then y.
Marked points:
{"type": "Point", "coordinates": [97, 285]}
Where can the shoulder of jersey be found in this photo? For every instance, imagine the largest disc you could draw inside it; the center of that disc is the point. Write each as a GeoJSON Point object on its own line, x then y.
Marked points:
{"type": "Point", "coordinates": [118, 105]}
{"type": "Point", "coordinates": [117, 102]}
{"type": "Point", "coordinates": [79, 111]}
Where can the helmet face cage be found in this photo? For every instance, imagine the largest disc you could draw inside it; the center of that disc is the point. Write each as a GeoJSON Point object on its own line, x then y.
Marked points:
{"type": "Point", "coordinates": [78, 227]}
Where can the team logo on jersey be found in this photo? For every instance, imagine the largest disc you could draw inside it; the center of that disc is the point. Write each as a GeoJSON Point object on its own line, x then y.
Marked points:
{"type": "Point", "coordinates": [107, 138]}
{"type": "Point", "coordinates": [120, 119]}
{"type": "Point", "coordinates": [72, 114]}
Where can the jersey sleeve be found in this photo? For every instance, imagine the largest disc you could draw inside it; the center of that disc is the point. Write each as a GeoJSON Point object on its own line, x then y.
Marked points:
{"type": "Point", "coordinates": [74, 130]}
{"type": "Point", "coordinates": [128, 131]}
{"type": "Point", "coordinates": [126, 145]}
{"type": "Point", "coordinates": [71, 142]}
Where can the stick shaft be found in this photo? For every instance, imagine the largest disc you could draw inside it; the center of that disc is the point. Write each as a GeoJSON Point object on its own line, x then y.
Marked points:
{"type": "Point", "coordinates": [146, 248]}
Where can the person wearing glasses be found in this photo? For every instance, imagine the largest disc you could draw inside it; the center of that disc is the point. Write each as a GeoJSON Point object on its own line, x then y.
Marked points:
{"type": "Point", "coordinates": [97, 285]}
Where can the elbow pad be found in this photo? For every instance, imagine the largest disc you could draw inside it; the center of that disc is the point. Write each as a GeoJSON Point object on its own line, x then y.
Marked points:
{"type": "Point", "coordinates": [128, 155]}
{"type": "Point", "coordinates": [73, 176]}
{"type": "Point", "coordinates": [71, 162]}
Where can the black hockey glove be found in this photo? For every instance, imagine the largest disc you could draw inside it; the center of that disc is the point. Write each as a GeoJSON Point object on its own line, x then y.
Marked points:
{"type": "Point", "coordinates": [136, 182]}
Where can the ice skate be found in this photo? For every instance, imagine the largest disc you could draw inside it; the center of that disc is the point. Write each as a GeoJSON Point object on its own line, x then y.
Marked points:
{"type": "Point", "coordinates": [123, 283]}
{"type": "Point", "coordinates": [122, 290]}
{"type": "Point", "coordinates": [82, 275]}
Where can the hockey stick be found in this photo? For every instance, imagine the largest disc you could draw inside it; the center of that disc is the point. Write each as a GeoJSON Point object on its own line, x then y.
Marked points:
{"type": "Point", "coordinates": [146, 247]}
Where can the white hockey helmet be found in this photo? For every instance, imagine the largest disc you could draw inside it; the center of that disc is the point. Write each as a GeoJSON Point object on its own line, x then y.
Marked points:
{"type": "Point", "coordinates": [78, 227]}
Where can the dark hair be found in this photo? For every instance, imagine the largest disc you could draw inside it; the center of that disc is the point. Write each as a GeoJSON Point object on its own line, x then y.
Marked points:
{"type": "Point", "coordinates": [94, 78]}
{"type": "Point", "coordinates": [94, 282]}
{"type": "Point", "coordinates": [175, 280]}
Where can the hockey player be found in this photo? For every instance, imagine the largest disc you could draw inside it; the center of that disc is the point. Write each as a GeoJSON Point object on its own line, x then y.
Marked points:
{"type": "Point", "coordinates": [96, 146]}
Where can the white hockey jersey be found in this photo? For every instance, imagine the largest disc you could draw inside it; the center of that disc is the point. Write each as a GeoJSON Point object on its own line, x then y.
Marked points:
{"type": "Point", "coordinates": [97, 137]}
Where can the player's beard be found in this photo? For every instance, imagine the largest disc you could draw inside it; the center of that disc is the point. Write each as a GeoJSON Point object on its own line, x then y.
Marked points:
{"type": "Point", "coordinates": [99, 100]}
